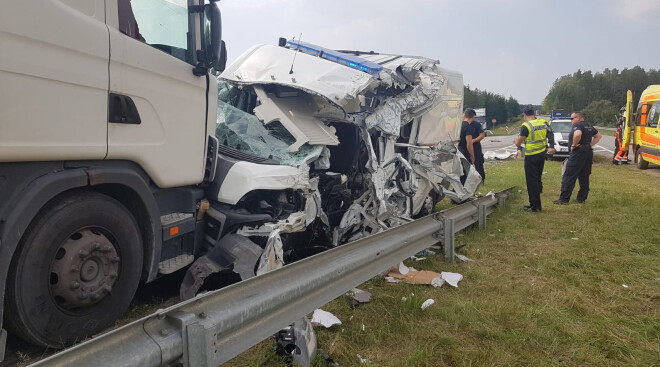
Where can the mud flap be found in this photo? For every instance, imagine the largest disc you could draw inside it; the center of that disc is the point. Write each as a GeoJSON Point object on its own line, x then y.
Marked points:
{"type": "Point", "coordinates": [231, 252]}
{"type": "Point", "coordinates": [297, 341]}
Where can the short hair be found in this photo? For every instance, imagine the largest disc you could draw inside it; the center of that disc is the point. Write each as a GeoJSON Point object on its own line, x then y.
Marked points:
{"type": "Point", "coordinates": [579, 114]}
{"type": "Point", "coordinates": [529, 112]}
{"type": "Point", "coordinates": [469, 113]}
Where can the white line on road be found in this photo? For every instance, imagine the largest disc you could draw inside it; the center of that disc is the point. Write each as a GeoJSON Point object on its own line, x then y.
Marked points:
{"type": "Point", "coordinates": [605, 149]}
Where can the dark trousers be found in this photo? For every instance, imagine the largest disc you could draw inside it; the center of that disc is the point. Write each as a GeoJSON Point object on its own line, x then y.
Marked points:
{"type": "Point", "coordinates": [479, 162]}
{"type": "Point", "coordinates": [533, 172]}
{"type": "Point", "coordinates": [578, 168]}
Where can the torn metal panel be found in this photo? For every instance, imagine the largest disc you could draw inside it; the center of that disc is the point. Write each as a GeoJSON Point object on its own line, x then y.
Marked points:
{"type": "Point", "coordinates": [273, 255]}
{"type": "Point", "coordinates": [297, 116]}
{"type": "Point", "coordinates": [266, 64]}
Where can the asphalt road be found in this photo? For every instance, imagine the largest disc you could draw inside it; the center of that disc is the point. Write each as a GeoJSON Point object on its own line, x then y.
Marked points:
{"type": "Point", "coordinates": [503, 144]}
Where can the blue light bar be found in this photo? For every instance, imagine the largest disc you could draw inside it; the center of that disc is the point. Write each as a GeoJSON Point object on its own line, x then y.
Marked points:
{"type": "Point", "coordinates": [351, 61]}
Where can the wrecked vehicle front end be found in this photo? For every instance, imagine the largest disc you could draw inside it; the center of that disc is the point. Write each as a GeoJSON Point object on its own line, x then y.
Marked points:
{"type": "Point", "coordinates": [319, 148]}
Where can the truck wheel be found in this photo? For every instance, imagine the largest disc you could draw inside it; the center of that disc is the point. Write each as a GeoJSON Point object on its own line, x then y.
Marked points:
{"type": "Point", "coordinates": [75, 272]}
{"type": "Point", "coordinates": [641, 163]}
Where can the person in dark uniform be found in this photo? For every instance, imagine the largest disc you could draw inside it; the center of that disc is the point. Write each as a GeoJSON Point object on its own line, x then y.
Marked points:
{"type": "Point", "coordinates": [467, 139]}
{"type": "Point", "coordinates": [581, 139]}
{"type": "Point", "coordinates": [478, 151]}
{"type": "Point", "coordinates": [536, 134]}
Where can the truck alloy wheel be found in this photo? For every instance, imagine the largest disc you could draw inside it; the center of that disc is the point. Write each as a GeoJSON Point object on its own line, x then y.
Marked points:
{"type": "Point", "coordinates": [75, 272]}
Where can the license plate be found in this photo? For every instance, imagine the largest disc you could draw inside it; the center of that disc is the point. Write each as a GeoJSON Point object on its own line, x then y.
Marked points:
{"type": "Point", "coordinates": [563, 149]}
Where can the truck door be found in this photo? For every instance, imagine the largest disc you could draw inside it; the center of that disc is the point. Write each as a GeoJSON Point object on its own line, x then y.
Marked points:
{"type": "Point", "coordinates": [157, 109]}
{"type": "Point", "coordinates": [53, 80]}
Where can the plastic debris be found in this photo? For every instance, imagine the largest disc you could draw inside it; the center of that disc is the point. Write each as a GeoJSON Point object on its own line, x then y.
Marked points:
{"type": "Point", "coordinates": [324, 318]}
{"type": "Point", "coordinates": [363, 360]}
{"type": "Point", "coordinates": [575, 238]}
{"type": "Point", "coordinates": [463, 258]}
{"type": "Point", "coordinates": [427, 303]}
{"type": "Point", "coordinates": [625, 285]}
{"type": "Point", "coordinates": [392, 280]}
{"type": "Point", "coordinates": [438, 282]}
{"type": "Point", "coordinates": [451, 278]}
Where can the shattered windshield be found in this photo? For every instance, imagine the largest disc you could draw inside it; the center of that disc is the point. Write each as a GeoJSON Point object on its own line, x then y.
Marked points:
{"type": "Point", "coordinates": [243, 131]}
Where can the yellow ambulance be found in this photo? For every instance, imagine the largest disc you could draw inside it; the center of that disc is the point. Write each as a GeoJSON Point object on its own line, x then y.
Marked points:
{"type": "Point", "coordinates": [646, 141]}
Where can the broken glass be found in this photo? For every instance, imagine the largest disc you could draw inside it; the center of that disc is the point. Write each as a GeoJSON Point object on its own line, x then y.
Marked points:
{"type": "Point", "coordinates": [243, 131]}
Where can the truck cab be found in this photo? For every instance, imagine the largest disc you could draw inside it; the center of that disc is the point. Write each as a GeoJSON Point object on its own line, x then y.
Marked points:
{"type": "Point", "coordinates": [106, 136]}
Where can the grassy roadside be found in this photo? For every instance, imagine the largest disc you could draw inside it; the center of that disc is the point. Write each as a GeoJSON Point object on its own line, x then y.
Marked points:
{"type": "Point", "coordinates": [550, 296]}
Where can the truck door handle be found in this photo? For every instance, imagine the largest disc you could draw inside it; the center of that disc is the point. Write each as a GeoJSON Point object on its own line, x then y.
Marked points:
{"type": "Point", "coordinates": [122, 110]}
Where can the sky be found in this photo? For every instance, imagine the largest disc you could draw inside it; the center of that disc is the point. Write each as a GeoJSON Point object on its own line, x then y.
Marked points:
{"type": "Point", "coordinates": [514, 48]}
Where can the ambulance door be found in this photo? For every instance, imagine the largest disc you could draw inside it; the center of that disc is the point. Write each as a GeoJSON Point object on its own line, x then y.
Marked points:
{"type": "Point", "coordinates": [651, 138]}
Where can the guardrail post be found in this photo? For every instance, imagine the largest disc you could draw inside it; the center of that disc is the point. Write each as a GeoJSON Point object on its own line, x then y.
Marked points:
{"type": "Point", "coordinates": [448, 239]}
{"type": "Point", "coordinates": [501, 200]}
{"type": "Point", "coordinates": [482, 215]}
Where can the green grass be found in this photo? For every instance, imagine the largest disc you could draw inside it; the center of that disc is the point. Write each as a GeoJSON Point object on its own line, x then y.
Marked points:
{"type": "Point", "coordinates": [534, 296]}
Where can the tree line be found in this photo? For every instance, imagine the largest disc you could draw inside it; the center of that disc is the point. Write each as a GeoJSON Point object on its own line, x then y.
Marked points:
{"type": "Point", "coordinates": [599, 95]}
{"type": "Point", "coordinates": [497, 106]}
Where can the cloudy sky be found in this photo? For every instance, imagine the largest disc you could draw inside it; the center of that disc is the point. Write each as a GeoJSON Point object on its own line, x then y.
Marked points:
{"type": "Point", "coordinates": [511, 47]}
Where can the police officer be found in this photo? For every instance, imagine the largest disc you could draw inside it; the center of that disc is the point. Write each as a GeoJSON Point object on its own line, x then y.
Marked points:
{"type": "Point", "coordinates": [581, 139]}
{"type": "Point", "coordinates": [536, 134]}
{"type": "Point", "coordinates": [468, 143]}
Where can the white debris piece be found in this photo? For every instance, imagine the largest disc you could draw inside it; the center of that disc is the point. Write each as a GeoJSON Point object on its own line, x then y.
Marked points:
{"type": "Point", "coordinates": [403, 269]}
{"type": "Point", "coordinates": [463, 258]}
{"type": "Point", "coordinates": [625, 285]}
{"type": "Point", "coordinates": [437, 282]}
{"type": "Point", "coordinates": [324, 318]}
{"type": "Point", "coordinates": [392, 280]}
{"type": "Point", "coordinates": [451, 278]}
{"type": "Point", "coordinates": [489, 155]}
{"type": "Point", "coordinates": [427, 303]}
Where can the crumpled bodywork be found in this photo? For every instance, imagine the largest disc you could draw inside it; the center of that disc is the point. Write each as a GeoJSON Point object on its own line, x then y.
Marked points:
{"type": "Point", "coordinates": [332, 151]}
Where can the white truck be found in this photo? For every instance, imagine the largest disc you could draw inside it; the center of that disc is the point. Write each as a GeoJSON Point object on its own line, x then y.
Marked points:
{"type": "Point", "coordinates": [123, 158]}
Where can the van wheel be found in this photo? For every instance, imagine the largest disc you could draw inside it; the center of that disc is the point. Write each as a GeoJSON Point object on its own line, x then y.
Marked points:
{"type": "Point", "coordinates": [75, 272]}
{"type": "Point", "coordinates": [641, 163]}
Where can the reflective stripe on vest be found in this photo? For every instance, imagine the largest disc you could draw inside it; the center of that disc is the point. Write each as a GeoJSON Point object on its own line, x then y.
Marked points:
{"type": "Point", "coordinates": [535, 142]}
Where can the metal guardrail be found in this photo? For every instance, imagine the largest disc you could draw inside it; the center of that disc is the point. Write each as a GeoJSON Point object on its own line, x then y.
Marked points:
{"type": "Point", "coordinates": [216, 326]}
{"type": "Point", "coordinates": [605, 128]}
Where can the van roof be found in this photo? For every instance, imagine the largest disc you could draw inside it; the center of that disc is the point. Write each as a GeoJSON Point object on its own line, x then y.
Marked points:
{"type": "Point", "coordinates": [651, 89]}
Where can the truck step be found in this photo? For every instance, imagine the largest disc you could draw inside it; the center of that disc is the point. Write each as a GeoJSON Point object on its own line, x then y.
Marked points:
{"type": "Point", "coordinates": [166, 220]}
{"type": "Point", "coordinates": [171, 265]}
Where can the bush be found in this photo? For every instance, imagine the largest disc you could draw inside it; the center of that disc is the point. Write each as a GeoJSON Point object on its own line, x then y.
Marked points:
{"type": "Point", "coordinates": [601, 113]}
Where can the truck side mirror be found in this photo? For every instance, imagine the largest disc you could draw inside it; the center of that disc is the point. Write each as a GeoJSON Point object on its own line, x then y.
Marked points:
{"type": "Point", "coordinates": [221, 63]}
{"type": "Point", "coordinates": [210, 52]}
{"type": "Point", "coordinates": [212, 33]}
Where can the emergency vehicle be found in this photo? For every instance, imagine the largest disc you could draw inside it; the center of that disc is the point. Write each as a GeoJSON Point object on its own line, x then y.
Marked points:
{"type": "Point", "coordinates": [644, 132]}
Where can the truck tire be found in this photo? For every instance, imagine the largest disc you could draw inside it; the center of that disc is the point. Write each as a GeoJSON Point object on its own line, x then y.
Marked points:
{"type": "Point", "coordinates": [75, 271]}
{"type": "Point", "coordinates": [641, 163]}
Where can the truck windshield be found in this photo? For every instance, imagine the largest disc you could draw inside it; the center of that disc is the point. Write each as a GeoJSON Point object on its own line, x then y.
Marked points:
{"type": "Point", "coordinates": [243, 131]}
{"type": "Point", "coordinates": [561, 126]}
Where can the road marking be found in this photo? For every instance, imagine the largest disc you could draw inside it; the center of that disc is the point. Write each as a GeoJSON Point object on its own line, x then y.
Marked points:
{"type": "Point", "coordinates": [605, 149]}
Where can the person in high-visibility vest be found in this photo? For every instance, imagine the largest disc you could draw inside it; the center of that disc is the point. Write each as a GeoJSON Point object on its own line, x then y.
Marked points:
{"type": "Point", "coordinates": [536, 134]}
